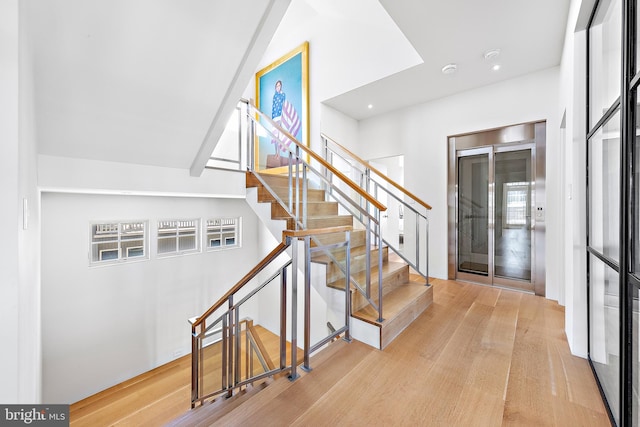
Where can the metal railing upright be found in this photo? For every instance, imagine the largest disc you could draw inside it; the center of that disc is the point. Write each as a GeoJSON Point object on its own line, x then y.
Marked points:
{"type": "Point", "coordinates": [226, 355]}
{"type": "Point", "coordinates": [351, 181]}
{"type": "Point", "coordinates": [413, 247]}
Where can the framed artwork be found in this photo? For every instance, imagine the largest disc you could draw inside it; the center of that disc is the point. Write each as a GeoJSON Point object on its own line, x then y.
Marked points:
{"type": "Point", "coordinates": [282, 93]}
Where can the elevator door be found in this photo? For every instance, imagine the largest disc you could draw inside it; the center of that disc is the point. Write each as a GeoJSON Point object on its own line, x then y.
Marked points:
{"type": "Point", "coordinates": [495, 239]}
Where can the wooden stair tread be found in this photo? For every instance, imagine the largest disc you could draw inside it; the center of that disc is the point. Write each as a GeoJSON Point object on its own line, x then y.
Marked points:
{"type": "Point", "coordinates": [219, 407]}
{"type": "Point", "coordinates": [285, 190]}
{"type": "Point", "coordinates": [358, 238]}
{"type": "Point", "coordinates": [315, 208]}
{"type": "Point", "coordinates": [394, 303]}
{"type": "Point", "coordinates": [402, 299]}
{"type": "Point", "coordinates": [340, 254]}
{"type": "Point", "coordinates": [306, 390]}
{"type": "Point", "coordinates": [253, 181]}
{"type": "Point", "coordinates": [321, 217]}
{"type": "Point", "coordinates": [388, 269]}
{"type": "Point", "coordinates": [324, 221]}
{"type": "Point", "coordinates": [224, 411]}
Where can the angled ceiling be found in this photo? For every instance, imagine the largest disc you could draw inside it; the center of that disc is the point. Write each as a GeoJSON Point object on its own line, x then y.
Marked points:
{"type": "Point", "coordinates": [528, 34]}
{"type": "Point", "coordinates": [141, 81]}
{"type": "Point", "coordinates": [137, 81]}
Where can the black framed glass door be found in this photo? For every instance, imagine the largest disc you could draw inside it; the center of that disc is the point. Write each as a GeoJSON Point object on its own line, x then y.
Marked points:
{"type": "Point", "coordinates": [613, 198]}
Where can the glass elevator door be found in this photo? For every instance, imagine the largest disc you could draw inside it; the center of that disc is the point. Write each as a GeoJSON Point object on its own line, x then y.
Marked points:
{"type": "Point", "coordinates": [495, 200]}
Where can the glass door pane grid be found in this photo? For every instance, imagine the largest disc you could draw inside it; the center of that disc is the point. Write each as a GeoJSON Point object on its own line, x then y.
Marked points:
{"type": "Point", "coordinates": [604, 331]}
{"type": "Point", "coordinates": [605, 48]}
{"type": "Point", "coordinates": [604, 189]}
{"type": "Point", "coordinates": [607, 297]}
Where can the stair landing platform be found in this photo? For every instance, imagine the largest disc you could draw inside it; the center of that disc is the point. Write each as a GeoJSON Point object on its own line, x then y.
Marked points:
{"type": "Point", "coordinates": [401, 307]}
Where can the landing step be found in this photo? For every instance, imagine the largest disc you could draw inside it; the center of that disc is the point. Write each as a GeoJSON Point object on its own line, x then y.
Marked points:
{"type": "Point", "coordinates": [218, 408]}
{"type": "Point", "coordinates": [312, 386]}
{"type": "Point", "coordinates": [400, 308]}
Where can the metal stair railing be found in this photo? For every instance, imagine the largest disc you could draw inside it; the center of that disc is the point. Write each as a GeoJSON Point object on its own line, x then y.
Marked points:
{"type": "Point", "coordinates": [305, 169]}
{"type": "Point", "coordinates": [412, 207]}
{"type": "Point", "coordinates": [358, 196]}
{"type": "Point", "coordinates": [219, 340]}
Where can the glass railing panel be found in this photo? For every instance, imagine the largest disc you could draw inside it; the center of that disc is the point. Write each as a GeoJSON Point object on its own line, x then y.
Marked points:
{"type": "Point", "coordinates": [404, 224]}
{"type": "Point", "coordinates": [295, 182]}
{"type": "Point", "coordinates": [329, 307]}
{"type": "Point", "coordinates": [414, 244]}
{"type": "Point", "coordinates": [240, 341]}
{"type": "Point", "coordinates": [258, 347]}
{"type": "Point", "coordinates": [211, 378]}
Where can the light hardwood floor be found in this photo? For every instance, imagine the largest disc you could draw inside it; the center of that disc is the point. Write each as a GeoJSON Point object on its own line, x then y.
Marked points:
{"type": "Point", "coordinates": [479, 356]}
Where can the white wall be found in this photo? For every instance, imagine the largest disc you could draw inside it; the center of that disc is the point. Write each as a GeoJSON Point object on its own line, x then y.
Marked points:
{"type": "Point", "coordinates": [29, 235]}
{"type": "Point", "coordinates": [344, 49]}
{"type": "Point", "coordinates": [573, 101]}
{"type": "Point", "coordinates": [83, 175]}
{"type": "Point", "coordinates": [420, 134]}
{"type": "Point", "coordinates": [19, 271]}
{"type": "Point", "coordinates": [10, 212]}
{"type": "Point", "coordinates": [102, 325]}
{"type": "Point", "coordinates": [338, 126]}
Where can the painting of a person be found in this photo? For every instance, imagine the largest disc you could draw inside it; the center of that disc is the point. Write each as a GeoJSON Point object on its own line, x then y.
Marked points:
{"type": "Point", "coordinates": [281, 92]}
{"type": "Point", "coordinates": [279, 99]}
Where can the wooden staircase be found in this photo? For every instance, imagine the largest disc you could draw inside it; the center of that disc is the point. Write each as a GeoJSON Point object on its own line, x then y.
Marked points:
{"type": "Point", "coordinates": [269, 348]}
{"type": "Point", "coordinates": [403, 299]}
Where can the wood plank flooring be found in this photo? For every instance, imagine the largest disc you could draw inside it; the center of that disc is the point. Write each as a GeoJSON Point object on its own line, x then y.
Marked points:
{"type": "Point", "coordinates": [478, 356]}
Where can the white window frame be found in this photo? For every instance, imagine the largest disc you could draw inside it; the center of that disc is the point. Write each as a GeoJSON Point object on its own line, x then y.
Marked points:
{"type": "Point", "coordinates": [225, 231]}
{"type": "Point", "coordinates": [108, 242]}
{"type": "Point", "coordinates": [175, 229]}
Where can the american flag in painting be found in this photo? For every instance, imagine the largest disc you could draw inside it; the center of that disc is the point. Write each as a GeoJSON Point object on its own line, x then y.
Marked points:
{"type": "Point", "coordinates": [289, 121]}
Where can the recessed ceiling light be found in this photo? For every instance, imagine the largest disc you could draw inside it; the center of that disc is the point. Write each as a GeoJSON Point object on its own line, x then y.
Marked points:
{"type": "Point", "coordinates": [495, 67]}
{"type": "Point", "coordinates": [449, 69]}
{"type": "Point", "coordinates": [491, 54]}
{"type": "Point", "coordinates": [370, 106]}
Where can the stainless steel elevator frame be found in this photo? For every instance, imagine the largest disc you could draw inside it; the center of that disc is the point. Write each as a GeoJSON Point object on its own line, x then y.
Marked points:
{"type": "Point", "coordinates": [521, 135]}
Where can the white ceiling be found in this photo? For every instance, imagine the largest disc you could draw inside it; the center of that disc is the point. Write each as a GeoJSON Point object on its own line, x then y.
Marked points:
{"type": "Point", "coordinates": [529, 35]}
{"type": "Point", "coordinates": [140, 81]}
{"type": "Point", "coordinates": [136, 81]}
